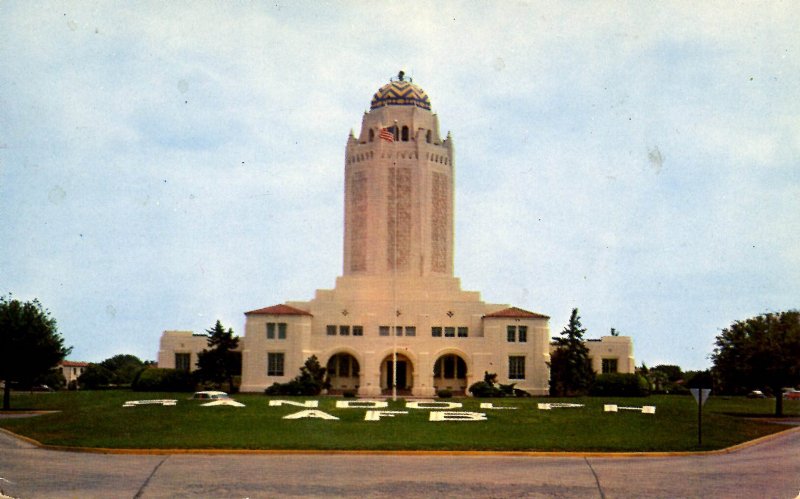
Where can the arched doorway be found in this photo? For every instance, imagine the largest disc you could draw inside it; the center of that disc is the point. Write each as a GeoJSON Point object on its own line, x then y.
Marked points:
{"type": "Point", "coordinates": [343, 372]}
{"type": "Point", "coordinates": [450, 373]}
{"type": "Point", "coordinates": [404, 374]}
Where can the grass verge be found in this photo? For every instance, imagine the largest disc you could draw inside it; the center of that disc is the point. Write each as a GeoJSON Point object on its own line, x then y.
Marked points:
{"type": "Point", "coordinates": [97, 419]}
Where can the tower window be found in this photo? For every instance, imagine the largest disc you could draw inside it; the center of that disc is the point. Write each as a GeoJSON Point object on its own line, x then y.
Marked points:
{"type": "Point", "coordinates": [428, 136]}
{"type": "Point", "coordinates": [371, 134]}
{"type": "Point", "coordinates": [405, 134]}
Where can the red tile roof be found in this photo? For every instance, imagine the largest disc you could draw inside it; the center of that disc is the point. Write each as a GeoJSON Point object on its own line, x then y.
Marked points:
{"type": "Point", "coordinates": [70, 363]}
{"type": "Point", "coordinates": [514, 313]}
{"type": "Point", "coordinates": [278, 310]}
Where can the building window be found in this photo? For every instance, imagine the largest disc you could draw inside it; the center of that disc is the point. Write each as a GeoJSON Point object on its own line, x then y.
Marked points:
{"type": "Point", "coordinates": [344, 330]}
{"type": "Point", "coordinates": [383, 330]}
{"type": "Point", "coordinates": [517, 333]}
{"type": "Point", "coordinates": [272, 326]}
{"type": "Point", "coordinates": [358, 330]}
{"type": "Point", "coordinates": [411, 331]}
{"type": "Point", "coordinates": [450, 367]}
{"type": "Point", "coordinates": [274, 364]}
{"type": "Point", "coordinates": [449, 331]}
{"type": "Point", "coordinates": [516, 367]}
{"type": "Point", "coordinates": [405, 134]}
{"type": "Point", "coordinates": [609, 366]}
{"type": "Point", "coordinates": [331, 330]}
{"type": "Point", "coordinates": [183, 361]}
{"type": "Point", "coordinates": [344, 367]}
{"type": "Point", "coordinates": [398, 330]}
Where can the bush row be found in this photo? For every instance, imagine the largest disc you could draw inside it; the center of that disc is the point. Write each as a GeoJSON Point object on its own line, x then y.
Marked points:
{"type": "Point", "coordinates": [157, 379]}
{"type": "Point", "coordinates": [620, 385]}
{"type": "Point", "coordinates": [172, 380]}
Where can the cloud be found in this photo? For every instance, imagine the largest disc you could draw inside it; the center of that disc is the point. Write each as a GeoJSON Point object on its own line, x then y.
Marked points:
{"type": "Point", "coordinates": [169, 160]}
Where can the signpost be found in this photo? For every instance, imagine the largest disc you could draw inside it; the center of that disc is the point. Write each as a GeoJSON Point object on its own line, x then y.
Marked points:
{"type": "Point", "coordinates": [700, 396]}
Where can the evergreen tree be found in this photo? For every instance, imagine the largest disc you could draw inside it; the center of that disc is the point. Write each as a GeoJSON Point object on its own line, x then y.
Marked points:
{"type": "Point", "coordinates": [220, 363]}
{"type": "Point", "coordinates": [311, 381]}
{"type": "Point", "coordinates": [570, 370]}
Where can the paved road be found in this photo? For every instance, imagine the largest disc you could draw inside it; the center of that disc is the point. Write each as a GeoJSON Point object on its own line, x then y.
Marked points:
{"type": "Point", "coordinates": [770, 469]}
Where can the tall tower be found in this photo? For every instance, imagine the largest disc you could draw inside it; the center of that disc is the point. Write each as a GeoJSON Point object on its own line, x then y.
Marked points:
{"type": "Point", "coordinates": [399, 192]}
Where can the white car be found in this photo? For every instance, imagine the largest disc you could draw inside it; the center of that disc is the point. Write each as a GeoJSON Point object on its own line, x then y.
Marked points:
{"type": "Point", "coordinates": [209, 395]}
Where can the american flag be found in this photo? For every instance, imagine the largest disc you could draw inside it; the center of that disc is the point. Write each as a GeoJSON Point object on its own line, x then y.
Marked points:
{"type": "Point", "coordinates": [387, 135]}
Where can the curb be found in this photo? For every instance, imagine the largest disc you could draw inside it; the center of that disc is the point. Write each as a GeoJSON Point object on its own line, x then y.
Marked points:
{"type": "Point", "coordinates": [568, 454]}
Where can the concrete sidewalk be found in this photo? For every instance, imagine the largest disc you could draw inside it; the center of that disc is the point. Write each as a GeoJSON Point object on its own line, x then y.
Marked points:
{"type": "Point", "coordinates": [769, 469]}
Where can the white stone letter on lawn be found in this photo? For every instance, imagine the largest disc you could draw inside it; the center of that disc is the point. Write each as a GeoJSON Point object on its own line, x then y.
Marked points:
{"type": "Point", "coordinates": [311, 414]}
{"type": "Point", "coordinates": [361, 404]}
{"type": "Point", "coordinates": [307, 403]}
{"type": "Point", "coordinates": [430, 404]}
{"type": "Point", "coordinates": [456, 416]}
{"type": "Point", "coordinates": [488, 405]}
{"type": "Point", "coordinates": [377, 415]}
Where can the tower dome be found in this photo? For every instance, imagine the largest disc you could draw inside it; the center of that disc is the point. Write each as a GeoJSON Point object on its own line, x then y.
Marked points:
{"type": "Point", "coordinates": [400, 93]}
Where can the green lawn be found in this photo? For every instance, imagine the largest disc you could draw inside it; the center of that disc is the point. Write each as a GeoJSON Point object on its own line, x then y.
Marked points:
{"type": "Point", "coordinates": [97, 419]}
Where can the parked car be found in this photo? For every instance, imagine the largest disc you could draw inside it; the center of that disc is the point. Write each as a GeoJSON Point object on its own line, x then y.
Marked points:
{"type": "Point", "coordinates": [756, 394]}
{"type": "Point", "coordinates": [41, 388]}
{"type": "Point", "coordinates": [209, 395]}
{"type": "Point", "coordinates": [791, 394]}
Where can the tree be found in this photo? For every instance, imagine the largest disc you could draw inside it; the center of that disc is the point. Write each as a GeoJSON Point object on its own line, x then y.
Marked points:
{"type": "Point", "coordinates": [672, 372]}
{"type": "Point", "coordinates": [762, 352]}
{"type": "Point", "coordinates": [221, 362]}
{"type": "Point", "coordinates": [123, 367]}
{"type": "Point", "coordinates": [310, 381]}
{"type": "Point", "coordinates": [30, 345]}
{"type": "Point", "coordinates": [570, 370]}
{"type": "Point", "coordinates": [95, 376]}
{"type": "Point", "coordinates": [53, 378]}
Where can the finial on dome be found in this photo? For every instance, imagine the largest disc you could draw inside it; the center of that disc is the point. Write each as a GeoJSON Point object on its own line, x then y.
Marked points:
{"type": "Point", "coordinates": [401, 75]}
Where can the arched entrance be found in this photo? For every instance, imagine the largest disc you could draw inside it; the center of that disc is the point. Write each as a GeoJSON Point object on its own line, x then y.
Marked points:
{"type": "Point", "coordinates": [343, 373]}
{"type": "Point", "coordinates": [404, 374]}
{"type": "Point", "coordinates": [450, 373]}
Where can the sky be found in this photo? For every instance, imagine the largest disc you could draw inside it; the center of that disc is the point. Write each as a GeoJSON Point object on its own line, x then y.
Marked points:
{"type": "Point", "coordinates": [164, 165]}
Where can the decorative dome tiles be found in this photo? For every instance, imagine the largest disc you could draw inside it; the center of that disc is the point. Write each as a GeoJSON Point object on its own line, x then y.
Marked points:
{"type": "Point", "coordinates": [400, 93]}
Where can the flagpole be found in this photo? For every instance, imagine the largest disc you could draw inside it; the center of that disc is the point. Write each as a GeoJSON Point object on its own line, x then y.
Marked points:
{"type": "Point", "coordinates": [394, 268]}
